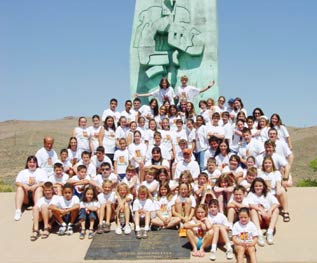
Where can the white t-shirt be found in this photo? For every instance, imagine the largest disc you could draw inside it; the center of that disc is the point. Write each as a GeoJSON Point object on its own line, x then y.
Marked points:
{"type": "Point", "coordinates": [218, 219]}
{"type": "Point", "coordinates": [109, 141]}
{"type": "Point", "coordinates": [46, 159]}
{"type": "Point", "coordinates": [91, 169]}
{"type": "Point", "coordinates": [188, 93]}
{"type": "Point", "coordinates": [147, 205]}
{"type": "Point", "coordinates": [154, 184]}
{"type": "Point", "coordinates": [89, 204]}
{"type": "Point", "coordinates": [201, 138]}
{"type": "Point", "coordinates": [163, 205]}
{"type": "Point", "coordinates": [122, 159]}
{"type": "Point", "coordinates": [62, 203]}
{"type": "Point", "coordinates": [162, 94]}
{"type": "Point", "coordinates": [75, 178]}
{"type": "Point", "coordinates": [103, 198]}
{"type": "Point", "coordinates": [254, 148]}
{"type": "Point", "coordinates": [109, 112]}
{"type": "Point", "coordinates": [136, 152]}
{"type": "Point", "coordinates": [192, 167]}
{"type": "Point", "coordinates": [266, 201]}
{"type": "Point", "coordinates": [272, 178]}
{"type": "Point", "coordinates": [279, 161]}
{"type": "Point", "coordinates": [82, 135]}
{"type": "Point", "coordinates": [94, 160]}
{"type": "Point", "coordinates": [214, 175]}
{"type": "Point", "coordinates": [62, 180]}
{"type": "Point", "coordinates": [100, 178]}
{"type": "Point", "coordinates": [29, 177]}
{"type": "Point", "coordinates": [183, 200]}
{"type": "Point", "coordinates": [44, 201]}
{"type": "Point", "coordinates": [245, 232]}
{"type": "Point", "coordinates": [130, 116]}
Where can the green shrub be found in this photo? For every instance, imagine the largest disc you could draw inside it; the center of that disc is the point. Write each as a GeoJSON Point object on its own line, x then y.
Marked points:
{"type": "Point", "coordinates": [313, 165]}
{"type": "Point", "coordinates": [307, 183]}
{"type": "Point", "coordinates": [6, 187]}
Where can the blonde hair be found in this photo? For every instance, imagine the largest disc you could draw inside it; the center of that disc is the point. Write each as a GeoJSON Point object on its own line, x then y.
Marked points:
{"type": "Point", "coordinates": [144, 189]}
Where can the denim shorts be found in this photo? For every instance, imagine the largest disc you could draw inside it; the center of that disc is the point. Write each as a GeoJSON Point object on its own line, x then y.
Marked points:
{"type": "Point", "coordinates": [83, 215]}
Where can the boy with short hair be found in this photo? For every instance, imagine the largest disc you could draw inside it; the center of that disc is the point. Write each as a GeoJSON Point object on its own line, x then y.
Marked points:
{"type": "Point", "coordinates": [58, 178]}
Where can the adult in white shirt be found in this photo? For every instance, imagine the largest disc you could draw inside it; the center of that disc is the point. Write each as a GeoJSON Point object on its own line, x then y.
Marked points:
{"type": "Point", "coordinates": [94, 131]}
{"type": "Point", "coordinates": [46, 156]}
{"type": "Point", "coordinates": [108, 137]}
{"type": "Point", "coordinates": [29, 185]}
{"type": "Point", "coordinates": [220, 107]}
{"type": "Point", "coordinates": [164, 93]}
{"type": "Point", "coordinates": [82, 135]}
{"type": "Point", "coordinates": [189, 92]}
{"type": "Point", "coordinates": [111, 111]}
{"type": "Point", "coordinates": [187, 164]}
{"type": "Point", "coordinates": [214, 129]}
{"type": "Point", "coordinates": [129, 113]}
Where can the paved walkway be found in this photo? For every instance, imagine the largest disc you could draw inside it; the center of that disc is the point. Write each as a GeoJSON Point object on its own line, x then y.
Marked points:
{"type": "Point", "coordinates": [294, 241]}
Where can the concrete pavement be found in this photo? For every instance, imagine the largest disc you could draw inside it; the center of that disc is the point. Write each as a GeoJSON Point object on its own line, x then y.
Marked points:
{"type": "Point", "coordinates": [295, 241]}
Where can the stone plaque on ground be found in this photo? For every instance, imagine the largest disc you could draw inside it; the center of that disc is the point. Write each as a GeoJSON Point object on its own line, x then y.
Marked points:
{"type": "Point", "coordinates": [159, 245]}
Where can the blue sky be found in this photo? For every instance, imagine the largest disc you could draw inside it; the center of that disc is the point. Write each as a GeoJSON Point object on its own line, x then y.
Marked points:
{"type": "Point", "coordinates": [68, 58]}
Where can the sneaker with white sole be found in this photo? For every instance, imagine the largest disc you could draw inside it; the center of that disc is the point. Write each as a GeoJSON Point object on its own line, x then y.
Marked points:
{"type": "Point", "coordinates": [69, 230]}
{"type": "Point", "coordinates": [229, 254]}
{"type": "Point", "coordinates": [17, 215]}
{"type": "Point", "coordinates": [269, 239]}
{"type": "Point", "coordinates": [138, 234]}
{"type": "Point", "coordinates": [261, 242]}
{"type": "Point", "coordinates": [127, 229]}
{"type": "Point", "coordinates": [118, 230]}
{"type": "Point", "coordinates": [62, 229]}
{"type": "Point", "coordinates": [212, 255]}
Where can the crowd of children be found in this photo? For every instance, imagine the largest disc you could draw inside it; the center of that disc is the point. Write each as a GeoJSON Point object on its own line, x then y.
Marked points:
{"type": "Point", "coordinates": [219, 175]}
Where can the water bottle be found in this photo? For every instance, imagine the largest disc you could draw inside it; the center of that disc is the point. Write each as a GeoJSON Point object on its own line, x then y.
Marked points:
{"type": "Point", "coordinates": [121, 218]}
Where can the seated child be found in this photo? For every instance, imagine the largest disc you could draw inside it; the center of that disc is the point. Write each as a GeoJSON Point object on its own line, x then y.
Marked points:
{"type": "Point", "coordinates": [252, 173]}
{"type": "Point", "coordinates": [132, 180]}
{"type": "Point", "coordinates": [223, 190]}
{"type": "Point", "coordinates": [163, 217]}
{"type": "Point", "coordinates": [123, 203]}
{"type": "Point", "coordinates": [80, 180]}
{"type": "Point", "coordinates": [41, 212]}
{"type": "Point", "coordinates": [89, 207]}
{"type": "Point", "coordinates": [244, 238]}
{"type": "Point", "coordinates": [220, 226]}
{"type": "Point", "coordinates": [212, 171]}
{"type": "Point", "coordinates": [65, 210]}
{"type": "Point", "coordinates": [58, 178]}
{"type": "Point", "coordinates": [121, 159]}
{"type": "Point", "coordinates": [150, 181]}
{"type": "Point", "coordinates": [199, 231]}
{"type": "Point", "coordinates": [142, 208]}
{"type": "Point", "coordinates": [106, 201]}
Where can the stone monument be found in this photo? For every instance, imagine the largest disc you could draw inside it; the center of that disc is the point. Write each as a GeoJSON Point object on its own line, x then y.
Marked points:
{"type": "Point", "coordinates": [172, 38]}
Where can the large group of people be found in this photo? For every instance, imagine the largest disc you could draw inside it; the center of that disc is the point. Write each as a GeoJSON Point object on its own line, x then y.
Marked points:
{"type": "Point", "coordinates": [216, 174]}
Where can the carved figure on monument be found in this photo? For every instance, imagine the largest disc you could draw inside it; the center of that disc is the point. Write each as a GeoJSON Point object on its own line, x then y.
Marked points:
{"type": "Point", "coordinates": [172, 38]}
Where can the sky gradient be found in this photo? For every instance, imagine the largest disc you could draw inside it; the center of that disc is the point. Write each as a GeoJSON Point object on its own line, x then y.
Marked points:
{"type": "Point", "coordinates": [68, 58]}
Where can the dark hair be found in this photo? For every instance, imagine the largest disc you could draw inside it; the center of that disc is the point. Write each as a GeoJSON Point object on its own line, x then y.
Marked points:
{"type": "Point", "coordinates": [157, 149]}
{"type": "Point", "coordinates": [48, 185]}
{"type": "Point", "coordinates": [71, 138]}
{"type": "Point", "coordinates": [113, 127]}
{"type": "Point", "coordinates": [220, 142]}
{"type": "Point", "coordinates": [89, 187]}
{"type": "Point", "coordinates": [279, 120]}
{"type": "Point", "coordinates": [156, 108]}
{"type": "Point", "coordinates": [100, 149]}
{"type": "Point", "coordinates": [58, 165]}
{"type": "Point", "coordinates": [63, 151]}
{"type": "Point", "coordinates": [162, 80]}
{"type": "Point", "coordinates": [261, 180]}
{"type": "Point", "coordinates": [69, 186]}
{"type": "Point", "coordinates": [105, 164]}
{"type": "Point", "coordinates": [85, 153]}
{"type": "Point", "coordinates": [114, 100]}
{"type": "Point", "coordinates": [95, 116]}
{"type": "Point", "coordinates": [257, 109]}
{"type": "Point", "coordinates": [31, 158]}
{"type": "Point", "coordinates": [165, 185]}
{"type": "Point", "coordinates": [81, 167]}
{"type": "Point", "coordinates": [214, 202]}
{"type": "Point", "coordinates": [245, 210]}
{"type": "Point", "coordinates": [239, 187]}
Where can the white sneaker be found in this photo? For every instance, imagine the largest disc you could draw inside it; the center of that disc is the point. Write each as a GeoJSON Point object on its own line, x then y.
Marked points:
{"type": "Point", "coordinates": [212, 255]}
{"type": "Point", "coordinates": [261, 241]}
{"type": "Point", "coordinates": [62, 229]}
{"type": "Point", "coordinates": [229, 254]}
{"type": "Point", "coordinates": [269, 239]}
{"type": "Point", "coordinates": [127, 229]}
{"type": "Point", "coordinates": [69, 230]}
{"type": "Point", "coordinates": [118, 230]}
{"type": "Point", "coordinates": [17, 215]}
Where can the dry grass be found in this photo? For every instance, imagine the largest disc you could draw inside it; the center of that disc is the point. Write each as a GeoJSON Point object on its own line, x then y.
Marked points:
{"type": "Point", "coordinates": [18, 139]}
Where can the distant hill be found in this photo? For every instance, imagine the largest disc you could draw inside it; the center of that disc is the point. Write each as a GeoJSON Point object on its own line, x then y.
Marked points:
{"type": "Point", "coordinates": [18, 139]}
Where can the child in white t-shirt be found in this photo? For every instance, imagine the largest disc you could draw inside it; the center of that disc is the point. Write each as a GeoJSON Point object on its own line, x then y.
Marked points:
{"type": "Point", "coordinates": [123, 203]}
{"type": "Point", "coordinates": [106, 200]}
{"type": "Point", "coordinates": [89, 207]}
{"type": "Point", "coordinates": [244, 236]}
{"type": "Point", "coordinates": [65, 210]}
{"type": "Point", "coordinates": [80, 180]}
{"type": "Point", "coordinates": [121, 159]}
{"type": "Point", "coordinates": [163, 217]}
{"type": "Point", "coordinates": [132, 180]}
{"type": "Point", "coordinates": [264, 209]}
{"type": "Point", "coordinates": [58, 178]}
{"type": "Point", "coordinates": [142, 208]}
{"type": "Point", "coordinates": [41, 212]}
{"type": "Point", "coordinates": [150, 182]}
{"type": "Point", "coordinates": [220, 226]}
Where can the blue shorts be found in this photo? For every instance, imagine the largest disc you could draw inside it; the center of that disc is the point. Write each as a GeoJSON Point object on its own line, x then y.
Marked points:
{"type": "Point", "coordinates": [83, 215]}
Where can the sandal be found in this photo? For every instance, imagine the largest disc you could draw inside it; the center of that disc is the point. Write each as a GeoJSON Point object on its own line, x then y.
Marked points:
{"type": "Point", "coordinates": [91, 234]}
{"type": "Point", "coordinates": [82, 234]}
{"type": "Point", "coordinates": [35, 235]}
{"type": "Point", "coordinates": [46, 233]}
{"type": "Point", "coordinates": [286, 217]}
